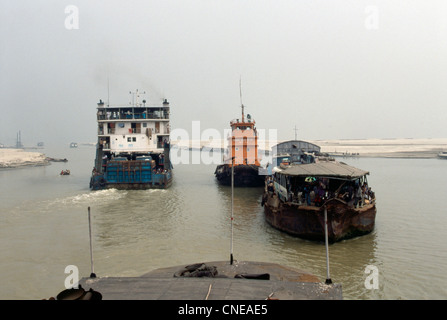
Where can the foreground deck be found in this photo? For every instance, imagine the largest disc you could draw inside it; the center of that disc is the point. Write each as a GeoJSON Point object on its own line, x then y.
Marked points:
{"type": "Point", "coordinates": [284, 284]}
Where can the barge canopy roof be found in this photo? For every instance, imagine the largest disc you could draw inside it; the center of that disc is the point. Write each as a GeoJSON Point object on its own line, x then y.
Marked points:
{"type": "Point", "coordinates": [329, 169]}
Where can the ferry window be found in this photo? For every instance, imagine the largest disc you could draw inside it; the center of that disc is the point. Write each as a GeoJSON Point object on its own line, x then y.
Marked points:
{"type": "Point", "coordinates": [134, 139]}
{"type": "Point", "coordinates": [144, 124]}
{"type": "Point", "coordinates": [129, 139]}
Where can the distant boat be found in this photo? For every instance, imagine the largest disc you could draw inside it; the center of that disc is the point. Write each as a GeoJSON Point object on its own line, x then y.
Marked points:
{"type": "Point", "coordinates": [56, 159]}
{"type": "Point", "coordinates": [65, 172]}
{"type": "Point", "coordinates": [442, 155]}
{"type": "Point", "coordinates": [73, 145]}
{"type": "Point", "coordinates": [295, 152]}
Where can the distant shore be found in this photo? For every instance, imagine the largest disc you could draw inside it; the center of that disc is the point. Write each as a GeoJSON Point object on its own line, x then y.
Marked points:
{"type": "Point", "coordinates": [384, 148]}
{"type": "Point", "coordinates": [378, 148]}
{"type": "Point", "coordinates": [16, 158]}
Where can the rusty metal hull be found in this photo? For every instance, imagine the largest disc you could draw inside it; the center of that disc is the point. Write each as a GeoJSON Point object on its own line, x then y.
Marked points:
{"type": "Point", "coordinates": [307, 222]}
{"type": "Point", "coordinates": [244, 175]}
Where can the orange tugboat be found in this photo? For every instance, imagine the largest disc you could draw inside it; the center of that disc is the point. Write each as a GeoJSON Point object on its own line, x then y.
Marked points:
{"type": "Point", "coordinates": [242, 153]}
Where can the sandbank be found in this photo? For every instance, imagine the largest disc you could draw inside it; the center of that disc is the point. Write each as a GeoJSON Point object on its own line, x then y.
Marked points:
{"type": "Point", "coordinates": [387, 148]}
{"type": "Point", "coordinates": [16, 158]}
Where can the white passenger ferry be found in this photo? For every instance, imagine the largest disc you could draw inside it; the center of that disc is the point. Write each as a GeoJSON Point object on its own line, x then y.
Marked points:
{"type": "Point", "coordinates": [133, 149]}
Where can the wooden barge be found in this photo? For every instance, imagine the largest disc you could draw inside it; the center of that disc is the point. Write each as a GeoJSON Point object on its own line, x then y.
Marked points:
{"type": "Point", "coordinates": [296, 197]}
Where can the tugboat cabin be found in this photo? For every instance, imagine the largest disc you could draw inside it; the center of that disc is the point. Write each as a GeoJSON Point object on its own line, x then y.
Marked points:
{"type": "Point", "coordinates": [243, 143]}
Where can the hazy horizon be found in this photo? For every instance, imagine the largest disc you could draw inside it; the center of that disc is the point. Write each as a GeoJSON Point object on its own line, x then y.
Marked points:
{"type": "Point", "coordinates": [334, 69]}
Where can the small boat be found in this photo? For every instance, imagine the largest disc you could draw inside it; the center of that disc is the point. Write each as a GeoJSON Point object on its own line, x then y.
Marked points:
{"type": "Point", "coordinates": [56, 159]}
{"type": "Point", "coordinates": [65, 172]}
{"type": "Point", "coordinates": [73, 145]}
{"type": "Point", "coordinates": [295, 152]}
{"type": "Point", "coordinates": [442, 155]}
{"type": "Point", "coordinates": [297, 197]}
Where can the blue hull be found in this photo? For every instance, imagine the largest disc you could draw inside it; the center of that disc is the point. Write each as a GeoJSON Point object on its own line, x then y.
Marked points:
{"type": "Point", "coordinates": [136, 174]}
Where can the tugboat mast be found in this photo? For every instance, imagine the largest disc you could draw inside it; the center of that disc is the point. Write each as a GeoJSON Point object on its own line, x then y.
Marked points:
{"type": "Point", "coordinates": [240, 94]}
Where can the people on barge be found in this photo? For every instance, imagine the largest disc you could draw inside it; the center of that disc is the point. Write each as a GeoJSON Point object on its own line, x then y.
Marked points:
{"type": "Point", "coordinates": [316, 191]}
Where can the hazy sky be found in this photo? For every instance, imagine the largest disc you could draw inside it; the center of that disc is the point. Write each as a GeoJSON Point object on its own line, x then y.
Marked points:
{"type": "Point", "coordinates": [334, 69]}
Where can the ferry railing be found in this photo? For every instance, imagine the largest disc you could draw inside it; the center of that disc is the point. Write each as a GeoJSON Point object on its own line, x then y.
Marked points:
{"type": "Point", "coordinates": [130, 116]}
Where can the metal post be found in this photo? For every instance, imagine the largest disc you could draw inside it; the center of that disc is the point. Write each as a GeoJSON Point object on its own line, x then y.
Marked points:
{"type": "Point", "coordinates": [232, 201]}
{"type": "Point", "coordinates": [328, 278]}
{"type": "Point", "coordinates": [92, 275]}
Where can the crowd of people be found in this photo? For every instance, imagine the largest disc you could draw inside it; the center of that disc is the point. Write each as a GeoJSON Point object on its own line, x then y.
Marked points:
{"type": "Point", "coordinates": [315, 192]}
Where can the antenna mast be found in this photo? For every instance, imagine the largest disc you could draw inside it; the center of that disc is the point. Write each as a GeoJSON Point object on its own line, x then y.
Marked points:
{"type": "Point", "coordinates": [108, 92]}
{"type": "Point", "coordinates": [232, 204]}
{"type": "Point", "coordinates": [240, 94]}
{"type": "Point", "coordinates": [135, 96]}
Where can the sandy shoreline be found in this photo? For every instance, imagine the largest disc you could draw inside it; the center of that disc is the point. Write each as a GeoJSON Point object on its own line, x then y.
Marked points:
{"type": "Point", "coordinates": [379, 148]}
{"type": "Point", "coordinates": [384, 148]}
{"type": "Point", "coordinates": [16, 158]}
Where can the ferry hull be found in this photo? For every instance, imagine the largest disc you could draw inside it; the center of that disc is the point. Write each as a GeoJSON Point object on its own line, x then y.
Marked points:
{"type": "Point", "coordinates": [98, 184]}
{"type": "Point", "coordinates": [307, 222]}
{"type": "Point", "coordinates": [131, 175]}
{"type": "Point", "coordinates": [244, 175]}
{"type": "Point", "coordinates": [137, 186]}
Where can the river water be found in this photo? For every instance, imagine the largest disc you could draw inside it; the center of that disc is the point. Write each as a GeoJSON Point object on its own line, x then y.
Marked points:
{"type": "Point", "coordinates": [44, 229]}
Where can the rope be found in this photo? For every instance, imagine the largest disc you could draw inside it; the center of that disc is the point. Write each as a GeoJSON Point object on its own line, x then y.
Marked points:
{"type": "Point", "coordinates": [209, 290]}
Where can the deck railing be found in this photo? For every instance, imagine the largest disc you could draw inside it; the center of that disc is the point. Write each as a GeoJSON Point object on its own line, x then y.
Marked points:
{"type": "Point", "coordinates": [130, 116]}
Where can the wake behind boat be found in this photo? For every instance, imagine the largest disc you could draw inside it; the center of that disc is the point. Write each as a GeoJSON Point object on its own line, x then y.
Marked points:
{"type": "Point", "coordinates": [442, 155]}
